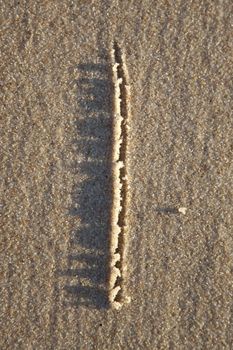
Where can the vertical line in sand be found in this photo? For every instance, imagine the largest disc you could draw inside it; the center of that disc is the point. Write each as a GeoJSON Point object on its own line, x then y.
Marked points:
{"type": "Point", "coordinates": [118, 242]}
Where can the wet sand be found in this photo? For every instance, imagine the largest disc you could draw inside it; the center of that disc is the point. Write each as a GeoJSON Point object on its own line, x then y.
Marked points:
{"type": "Point", "coordinates": [56, 141]}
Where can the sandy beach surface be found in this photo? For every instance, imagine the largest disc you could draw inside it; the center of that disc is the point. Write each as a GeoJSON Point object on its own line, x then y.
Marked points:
{"type": "Point", "coordinates": [56, 184]}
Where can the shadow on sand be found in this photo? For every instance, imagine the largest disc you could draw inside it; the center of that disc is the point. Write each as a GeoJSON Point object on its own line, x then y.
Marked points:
{"type": "Point", "coordinates": [91, 198]}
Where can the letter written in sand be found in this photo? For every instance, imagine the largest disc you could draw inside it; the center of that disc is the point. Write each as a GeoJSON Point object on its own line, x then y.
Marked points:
{"type": "Point", "coordinates": [121, 113]}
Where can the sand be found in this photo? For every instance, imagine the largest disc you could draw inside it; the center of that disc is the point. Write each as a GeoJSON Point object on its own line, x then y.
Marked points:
{"type": "Point", "coordinates": [56, 140]}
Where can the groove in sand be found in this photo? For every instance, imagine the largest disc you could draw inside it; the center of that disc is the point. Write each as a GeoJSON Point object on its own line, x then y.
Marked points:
{"type": "Point", "coordinates": [121, 110]}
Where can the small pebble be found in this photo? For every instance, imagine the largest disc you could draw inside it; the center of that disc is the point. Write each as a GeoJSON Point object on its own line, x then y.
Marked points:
{"type": "Point", "coordinates": [182, 210]}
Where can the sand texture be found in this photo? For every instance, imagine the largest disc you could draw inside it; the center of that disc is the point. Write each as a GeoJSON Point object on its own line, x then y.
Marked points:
{"type": "Point", "coordinates": [56, 169]}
